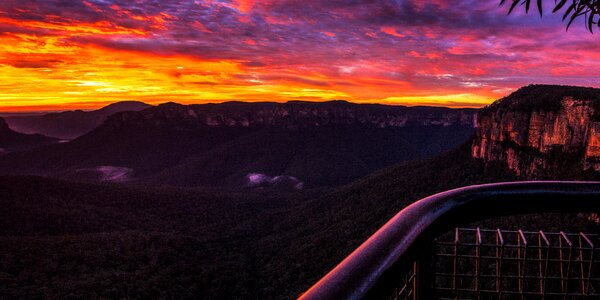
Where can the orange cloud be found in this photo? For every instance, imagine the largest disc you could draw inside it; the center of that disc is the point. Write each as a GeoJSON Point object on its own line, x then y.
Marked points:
{"type": "Point", "coordinates": [99, 28]}
{"type": "Point", "coordinates": [392, 31]}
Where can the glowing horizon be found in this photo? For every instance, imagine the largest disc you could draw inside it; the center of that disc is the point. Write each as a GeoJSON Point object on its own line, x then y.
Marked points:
{"type": "Point", "coordinates": [60, 55]}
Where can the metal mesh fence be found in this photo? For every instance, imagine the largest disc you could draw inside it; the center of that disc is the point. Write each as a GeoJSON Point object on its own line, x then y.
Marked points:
{"type": "Point", "coordinates": [475, 263]}
{"type": "Point", "coordinates": [503, 264]}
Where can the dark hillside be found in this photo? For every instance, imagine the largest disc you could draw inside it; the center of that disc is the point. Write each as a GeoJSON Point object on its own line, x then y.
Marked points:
{"type": "Point", "coordinates": [63, 239]}
{"type": "Point", "coordinates": [106, 240]}
{"type": "Point", "coordinates": [313, 144]}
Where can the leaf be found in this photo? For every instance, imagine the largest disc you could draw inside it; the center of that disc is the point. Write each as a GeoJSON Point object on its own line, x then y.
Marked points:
{"type": "Point", "coordinates": [590, 22]}
{"type": "Point", "coordinates": [515, 2]}
{"type": "Point", "coordinates": [527, 2]}
{"type": "Point", "coordinates": [571, 21]}
{"type": "Point", "coordinates": [568, 11]}
{"type": "Point", "coordinates": [539, 5]}
{"type": "Point", "coordinates": [575, 15]}
{"type": "Point", "coordinates": [559, 5]}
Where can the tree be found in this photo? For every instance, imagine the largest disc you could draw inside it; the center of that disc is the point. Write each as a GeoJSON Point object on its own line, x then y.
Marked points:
{"type": "Point", "coordinates": [588, 9]}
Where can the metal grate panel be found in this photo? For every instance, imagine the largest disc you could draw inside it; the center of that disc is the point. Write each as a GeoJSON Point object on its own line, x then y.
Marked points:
{"type": "Point", "coordinates": [504, 264]}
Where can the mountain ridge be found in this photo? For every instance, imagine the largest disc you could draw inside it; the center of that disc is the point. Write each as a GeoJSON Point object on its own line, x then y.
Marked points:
{"type": "Point", "coordinates": [221, 144]}
{"type": "Point", "coordinates": [70, 124]}
{"type": "Point", "coordinates": [247, 114]}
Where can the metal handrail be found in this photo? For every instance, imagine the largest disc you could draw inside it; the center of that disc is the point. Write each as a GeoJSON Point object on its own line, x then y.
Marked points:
{"type": "Point", "coordinates": [372, 265]}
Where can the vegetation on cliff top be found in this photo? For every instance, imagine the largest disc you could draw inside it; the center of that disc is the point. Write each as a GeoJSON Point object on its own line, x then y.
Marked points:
{"type": "Point", "coordinates": [542, 97]}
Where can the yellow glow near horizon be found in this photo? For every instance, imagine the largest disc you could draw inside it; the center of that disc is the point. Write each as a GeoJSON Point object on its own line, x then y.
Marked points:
{"type": "Point", "coordinates": [453, 100]}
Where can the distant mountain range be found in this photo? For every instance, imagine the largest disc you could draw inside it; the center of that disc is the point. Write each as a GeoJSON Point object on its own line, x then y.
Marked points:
{"type": "Point", "coordinates": [127, 241]}
{"type": "Point", "coordinates": [69, 124]}
{"type": "Point", "coordinates": [11, 141]}
{"type": "Point", "coordinates": [239, 144]}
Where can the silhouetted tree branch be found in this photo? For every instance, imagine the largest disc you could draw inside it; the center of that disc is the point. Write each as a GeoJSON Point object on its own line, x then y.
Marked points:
{"type": "Point", "coordinates": [589, 9]}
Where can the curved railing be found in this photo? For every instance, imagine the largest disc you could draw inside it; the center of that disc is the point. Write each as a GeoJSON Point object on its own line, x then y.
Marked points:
{"type": "Point", "coordinates": [372, 269]}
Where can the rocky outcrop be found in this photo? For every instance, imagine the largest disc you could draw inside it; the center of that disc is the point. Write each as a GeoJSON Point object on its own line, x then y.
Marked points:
{"type": "Point", "coordinates": [70, 124]}
{"type": "Point", "coordinates": [14, 141]}
{"type": "Point", "coordinates": [4, 126]}
{"type": "Point", "coordinates": [534, 138]}
{"type": "Point", "coordinates": [296, 114]}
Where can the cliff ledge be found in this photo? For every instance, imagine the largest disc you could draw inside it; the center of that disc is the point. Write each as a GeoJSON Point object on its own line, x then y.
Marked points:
{"type": "Point", "coordinates": [541, 127]}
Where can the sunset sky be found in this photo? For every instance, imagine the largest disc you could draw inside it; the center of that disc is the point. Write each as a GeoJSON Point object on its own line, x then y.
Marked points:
{"type": "Point", "coordinates": [63, 54]}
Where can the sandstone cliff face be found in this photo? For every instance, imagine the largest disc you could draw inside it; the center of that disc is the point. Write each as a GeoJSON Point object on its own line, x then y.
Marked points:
{"type": "Point", "coordinates": [294, 115]}
{"type": "Point", "coordinates": [537, 139]}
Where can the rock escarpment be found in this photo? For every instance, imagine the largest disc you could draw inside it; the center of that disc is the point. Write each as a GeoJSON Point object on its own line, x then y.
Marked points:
{"type": "Point", "coordinates": [14, 141]}
{"type": "Point", "coordinates": [295, 114]}
{"type": "Point", "coordinates": [540, 128]}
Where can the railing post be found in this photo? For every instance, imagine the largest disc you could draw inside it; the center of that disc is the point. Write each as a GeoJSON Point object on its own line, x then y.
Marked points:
{"type": "Point", "coordinates": [455, 263]}
{"type": "Point", "coordinates": [499, 261]}
{"type": "Point", "coordinates": [478, 242]}
{"type": "Point", "coordinates": [424, 268]}
{"type": "Point", "coordinates": [543, 268]}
